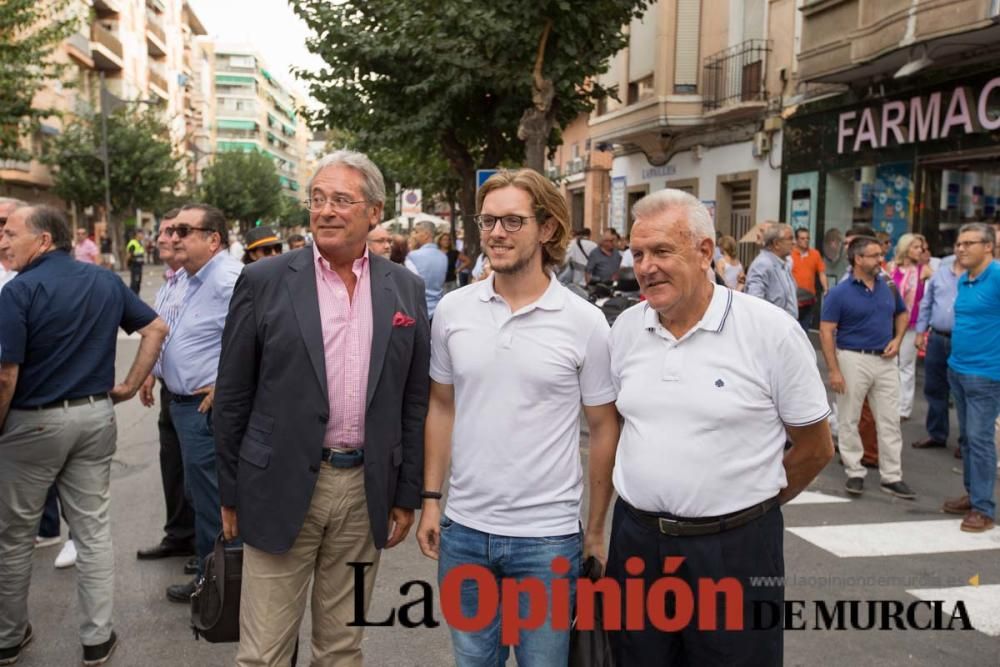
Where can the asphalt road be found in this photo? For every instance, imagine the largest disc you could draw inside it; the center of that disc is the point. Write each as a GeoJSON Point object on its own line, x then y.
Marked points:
{"type": "Point", "coordinates": [918, 553]}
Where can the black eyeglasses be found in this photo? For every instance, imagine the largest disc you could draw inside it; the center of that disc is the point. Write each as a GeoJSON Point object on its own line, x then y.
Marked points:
{"type": "Point", "coordinates": [269, 250]}
{"type": "Point", "coordinates": [183, 230]}
{"type": "Point", "coordinates": [510, 223]}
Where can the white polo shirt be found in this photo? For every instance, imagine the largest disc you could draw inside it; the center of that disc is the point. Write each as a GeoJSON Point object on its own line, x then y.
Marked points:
{"type": "Point", "coordinates": [705, 415]}
{"type": "Point", "coordinates": [519, 381]}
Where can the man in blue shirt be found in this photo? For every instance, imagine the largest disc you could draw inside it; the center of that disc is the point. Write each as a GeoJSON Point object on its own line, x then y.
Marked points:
{"type": "Point", "coordinates": [974, 374]}
{"type": "Point", "coordinates": [861, 329]}
{"type": "Point", "coordinates": [190, 360]}
{"type": "Point", "coordinates": [429, 262]}
{"type": "Point", "coordinates": [58, 337]}
{"type": "Point", "coordinates": [934, 325]}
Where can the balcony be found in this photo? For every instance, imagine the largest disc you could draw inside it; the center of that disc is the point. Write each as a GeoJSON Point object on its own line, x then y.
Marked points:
{"type": "Point", "coordinates": [158, 79]}
{"type": "Point", "coordinates": [850, 41]}
{"type": "Point", "coordinates": [105, 46]}
{"type": "Point", "coordinates": [230, 111]}
{"type": "Point", "coordinates": [156, 37]}
{"type": "Point", "coordinates": [107, 7]}
{"type": "Point", "coordinates": [734, 78]}
{"type": "Point", "coordinates": [79, 48]}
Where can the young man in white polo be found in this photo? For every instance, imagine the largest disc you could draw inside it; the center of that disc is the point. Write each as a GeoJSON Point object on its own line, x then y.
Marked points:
{"type": "Point", "coordinates": [513, 357]}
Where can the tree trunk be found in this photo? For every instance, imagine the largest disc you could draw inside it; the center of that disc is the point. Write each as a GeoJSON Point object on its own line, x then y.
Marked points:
{"type": "Point", "coordinates": [116, 230]}
{"type": "Point", "coordinates": [538, 119]}
{"type": "Point", "coordinates": [464, 166]}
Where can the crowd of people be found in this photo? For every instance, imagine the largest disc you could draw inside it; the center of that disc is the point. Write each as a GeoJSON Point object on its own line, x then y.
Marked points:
{"type": "Point", "coordinates": [312, 399]}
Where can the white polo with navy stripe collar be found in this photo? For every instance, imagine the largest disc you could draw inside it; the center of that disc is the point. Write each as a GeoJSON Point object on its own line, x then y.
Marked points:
{"type": "Point", "coordinates": [705, 415]}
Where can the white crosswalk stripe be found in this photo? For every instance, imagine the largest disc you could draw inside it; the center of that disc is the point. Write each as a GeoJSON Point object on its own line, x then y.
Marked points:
{"type": "Point", "coordinates": [982, 603]}
{"type": "Point", "coordinates": [894, 539]}
{"type": "Point", "coordinates": [897, 538]}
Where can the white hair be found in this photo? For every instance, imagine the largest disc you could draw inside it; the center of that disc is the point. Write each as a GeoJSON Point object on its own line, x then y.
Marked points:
{"type": "Point", "coordinates": [699, 220]}
{"type": "Point", "coordinates": [373, 185]}
{"type": "Point", "coordinates": [773, 233]}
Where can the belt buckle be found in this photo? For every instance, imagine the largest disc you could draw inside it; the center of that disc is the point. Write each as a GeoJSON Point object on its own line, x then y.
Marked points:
{"type": "Point", "coordinates": [667, 526]}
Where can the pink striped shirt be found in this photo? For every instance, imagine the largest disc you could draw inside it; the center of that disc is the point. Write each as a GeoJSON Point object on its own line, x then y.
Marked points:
{"type": "Point", "coordinates": [347, 348]}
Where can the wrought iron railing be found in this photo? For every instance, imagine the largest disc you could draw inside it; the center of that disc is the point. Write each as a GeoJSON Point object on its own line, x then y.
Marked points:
{"type": "Point", "coordinates": [735, 75]}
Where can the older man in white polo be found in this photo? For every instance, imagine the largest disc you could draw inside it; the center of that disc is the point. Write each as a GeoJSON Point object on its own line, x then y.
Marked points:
{"type": "Point", "coordinates": [709, 381]}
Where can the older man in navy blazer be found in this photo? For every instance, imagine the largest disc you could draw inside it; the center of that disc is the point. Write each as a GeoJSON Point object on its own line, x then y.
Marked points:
{"type": "Point", "coordinates": [319, 418]}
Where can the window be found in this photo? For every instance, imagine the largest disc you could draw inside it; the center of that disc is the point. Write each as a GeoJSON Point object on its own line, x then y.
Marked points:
{"type": "Point", "coordinates": [640, 90]}
{"type": "Point", "coordinates": [686, 54]}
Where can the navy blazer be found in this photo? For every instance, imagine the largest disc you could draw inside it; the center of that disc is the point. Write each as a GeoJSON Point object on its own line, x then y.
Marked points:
{"type": "Point", "coordinates": [271, 402]}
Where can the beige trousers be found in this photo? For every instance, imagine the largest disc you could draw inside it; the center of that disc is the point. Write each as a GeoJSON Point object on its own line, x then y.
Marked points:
{"type": "Point", "coordinates": [878, 379]}
{"type": "Point", "coordinates": [336, 531]}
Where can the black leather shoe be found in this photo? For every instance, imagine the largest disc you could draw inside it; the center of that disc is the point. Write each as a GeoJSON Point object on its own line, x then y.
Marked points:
{"type": "Point", "coordinates": [181, 592]}
{"type": "Point", "coordinates": [10, 655]}
{"type": "Point", "coordinates": [164, 550]}
{"type": "Point", "coordinates": [100, 654]}
{"type": "Point", "coordinates": [191, 566]}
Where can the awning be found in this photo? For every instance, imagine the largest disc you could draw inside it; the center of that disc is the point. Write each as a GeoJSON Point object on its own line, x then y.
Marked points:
{"type": "Point", "coordinates": [227, 124]}
{"type": "Point", "coordinates": [235, 79]}
{"type": "Point", "coordinates": [232, 146]}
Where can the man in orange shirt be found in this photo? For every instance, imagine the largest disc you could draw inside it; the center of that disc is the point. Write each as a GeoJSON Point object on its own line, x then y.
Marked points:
{"type": "Point", "coordinates": [807, 266]}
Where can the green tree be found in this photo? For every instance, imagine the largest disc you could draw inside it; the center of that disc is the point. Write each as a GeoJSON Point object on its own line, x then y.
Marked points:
{"type": "Point", "coordinates": [142, 166]}
{"type": "Point", "coordinates": [30, 32]}
{"type": "Point", "coordinates": [456, 79]}
{"type": "Point", "coordinates": [245, 186]}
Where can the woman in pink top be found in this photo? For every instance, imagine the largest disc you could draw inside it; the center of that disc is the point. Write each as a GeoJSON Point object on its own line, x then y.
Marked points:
{"type": "Point", "coordinates": [909, 273]}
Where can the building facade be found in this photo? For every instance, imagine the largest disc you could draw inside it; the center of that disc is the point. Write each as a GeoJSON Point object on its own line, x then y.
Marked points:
{"type": "Point", "coordinates": [254, 111]}
{"type": "Point", "coordinates": [903, 104]}
{"type": "Point", "coordinates": [701, 89]}
{"type": "Point", "coordinates": [141, 51]}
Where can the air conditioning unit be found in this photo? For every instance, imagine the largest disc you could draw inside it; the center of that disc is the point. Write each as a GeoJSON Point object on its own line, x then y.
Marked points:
{"type": "Point", "coordinates": [761, 144]}
{"type": "Point", "coordinates": [552, 172]}
{"type": "Point", "coordinates": [576, 165]}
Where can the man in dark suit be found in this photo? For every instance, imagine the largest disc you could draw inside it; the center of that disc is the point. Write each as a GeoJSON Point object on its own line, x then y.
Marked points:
{"type": "Point", "coordinates": [319, 417]}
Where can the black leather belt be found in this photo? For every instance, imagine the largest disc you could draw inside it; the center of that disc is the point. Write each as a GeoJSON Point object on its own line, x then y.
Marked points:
{"type": "Point", "coordinates": [344, 459]}
{"type": "Point", "coordinates": [943, 334]}
{"type": "Point", "coordinates": [875, 352]}
{"type": "Point", "coordinates": [72, 402]}
{"type": "Point", "coordinates": [675, 526]}
{"type": "Point", "coordinates": [187, 398]}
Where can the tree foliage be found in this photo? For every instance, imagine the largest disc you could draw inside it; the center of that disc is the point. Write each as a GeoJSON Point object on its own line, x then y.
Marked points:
{"type": "Point", "coordinates": [142, 166]}
{"type": "Point", "coordinates": [245, 186]}
{"type": "Point", "coordinates": [453, 79]}
{"type": "Point", "coordinates": [30, 32]}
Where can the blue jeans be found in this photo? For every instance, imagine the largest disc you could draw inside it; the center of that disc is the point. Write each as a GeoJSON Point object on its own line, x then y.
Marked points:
{"type": "Point", "coordinates": [977, 400]}
{"type": "Point", "coordinates": [194, 429]}
{"type": "Point", "coordinates": [513, 558]}
{"type": "Point", "coordinates": [936, 387]}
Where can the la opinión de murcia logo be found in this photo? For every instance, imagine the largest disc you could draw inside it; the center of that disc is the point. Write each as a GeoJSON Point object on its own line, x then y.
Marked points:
{"type": "Point", "coordinates": [669, 604]}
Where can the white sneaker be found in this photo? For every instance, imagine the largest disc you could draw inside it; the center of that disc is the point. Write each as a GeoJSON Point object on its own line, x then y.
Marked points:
{"type": "Point", "coordinates": [66, 557]}
{"type": "Point", "coordinates": [42, 542]}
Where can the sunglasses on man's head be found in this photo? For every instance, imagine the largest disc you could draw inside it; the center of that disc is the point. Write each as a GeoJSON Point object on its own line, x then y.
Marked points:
{"type": "Point", "coordinates": [182, 230]}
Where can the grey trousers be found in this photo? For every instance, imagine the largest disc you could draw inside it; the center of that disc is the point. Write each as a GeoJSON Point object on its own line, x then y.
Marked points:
{"type": "Point", "coordinates": [71, 446]}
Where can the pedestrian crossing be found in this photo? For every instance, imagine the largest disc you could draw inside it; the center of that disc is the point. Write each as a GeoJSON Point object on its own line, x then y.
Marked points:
{"type": "Point", "coordinates": [894, 539]}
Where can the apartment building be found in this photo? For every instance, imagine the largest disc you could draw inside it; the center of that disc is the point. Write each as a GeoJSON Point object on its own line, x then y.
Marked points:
{"type": "Point", "coordinates": [582, 173]}
{"type": "Point", "coordinates": [142, 50]}
{"type": "Point", "coordinates": [254, 111]}
{"type": "Point", "coordinates": [897, 123]}
{"type": "Point", "coordinates": [700, 90]}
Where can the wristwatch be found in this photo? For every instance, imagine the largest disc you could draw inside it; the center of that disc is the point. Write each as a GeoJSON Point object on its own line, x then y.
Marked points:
{"type": "Point", "coordinates": [432, 495]}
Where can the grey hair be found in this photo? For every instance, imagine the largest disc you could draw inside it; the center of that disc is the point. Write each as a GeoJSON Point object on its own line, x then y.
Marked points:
{"type": "Point", "coordinates": [773, 233]}
{"type": "Point", "coordinates": [12, 200]}
{"type": "Point", "coordinates": [699, 220]}
{"type": "Point", "coordinates": [426, 226]}
{"type": "Point", "coordinates": [986, 233]}
{"type": "Point", "coordinates": [373, 185]}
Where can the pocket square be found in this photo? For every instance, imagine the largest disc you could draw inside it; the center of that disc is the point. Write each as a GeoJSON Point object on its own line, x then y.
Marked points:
{"type": "Point", "coordinates": [401, 319]}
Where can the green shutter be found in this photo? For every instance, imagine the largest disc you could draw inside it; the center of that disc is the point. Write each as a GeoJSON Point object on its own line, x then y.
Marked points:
{"type": "Point", "coordinates": [235, 79]}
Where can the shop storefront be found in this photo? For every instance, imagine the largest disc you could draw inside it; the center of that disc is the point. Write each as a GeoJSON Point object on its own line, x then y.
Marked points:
{"type": "Point", "coordinates": [914, 155]}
